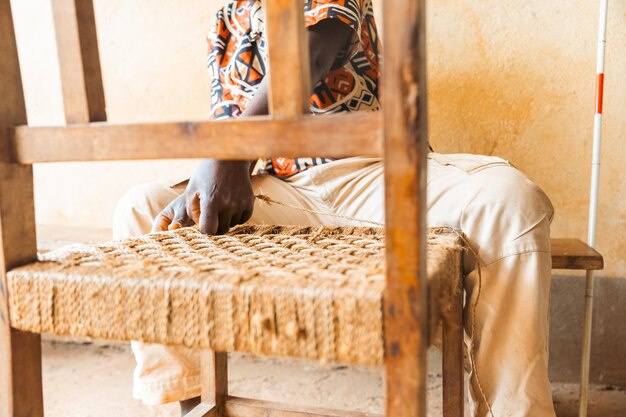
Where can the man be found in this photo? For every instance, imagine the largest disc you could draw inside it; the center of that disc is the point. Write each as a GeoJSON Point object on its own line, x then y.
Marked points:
{"type": "Point", "coordinates": [504, 215]}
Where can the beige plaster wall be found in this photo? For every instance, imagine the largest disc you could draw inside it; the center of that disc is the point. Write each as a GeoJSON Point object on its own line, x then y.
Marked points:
{"type": "Point", "coordinates": [513, 78]}
{"type": "Point", "coordinates": [516, 79]}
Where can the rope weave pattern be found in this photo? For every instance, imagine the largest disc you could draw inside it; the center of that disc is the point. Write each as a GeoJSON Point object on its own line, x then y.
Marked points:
{"type": "Point", "coordinates": [311, 292]}
{"type": "Point", "coordinates": [468, 247]}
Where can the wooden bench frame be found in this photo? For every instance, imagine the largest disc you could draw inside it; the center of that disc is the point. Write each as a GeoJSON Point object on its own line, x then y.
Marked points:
{"type": "Point", "coordinates": [399, 132]}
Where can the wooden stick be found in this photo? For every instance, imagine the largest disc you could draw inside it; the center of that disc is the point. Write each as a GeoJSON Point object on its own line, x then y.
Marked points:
{"type": "Point", "coordinates": [405, 130]}
{"type": "Point", "coordinates": [79, 61]}
{"type": "Point", "coordinates": [203, 410]}
{"type": "Point", "coordinates": [453, 373]}
{"type": "Point", "coordinates": [290, 77]}
{"type": "Point", "coordinates": [244, 407]}
{"type": "Point", "coordinates": [20, 353]}
{"type": "Point", "coordinates": [214, 370]}
{"type": "Point", "coordinates": [258, 137]}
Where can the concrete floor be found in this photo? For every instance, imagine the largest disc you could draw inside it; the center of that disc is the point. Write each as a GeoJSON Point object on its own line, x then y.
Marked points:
{"type": "Point", "coordinates": [94, 380]}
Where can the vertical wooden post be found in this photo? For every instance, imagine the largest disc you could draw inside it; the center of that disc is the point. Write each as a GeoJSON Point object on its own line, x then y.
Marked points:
{"type": "Point", "coordinates": [405, 131]}
{"type": "Point", "coordinates": [214, 370]}
{"type": "Point", "coordinates": [20, 352]}
{"type": "Point", "coordinates": [290, 77]}
{"type": "Point", "coordinates": [79, 61]}
{"type": "Point", "coordinates": [453, 374]}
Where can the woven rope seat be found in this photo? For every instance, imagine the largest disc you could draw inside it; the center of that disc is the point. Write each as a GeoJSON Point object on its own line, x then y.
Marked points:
{"type": "Point", "coordinates": [311, 292]}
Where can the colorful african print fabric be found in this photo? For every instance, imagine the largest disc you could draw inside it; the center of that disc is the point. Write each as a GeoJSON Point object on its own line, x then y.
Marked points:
{"type": "Point", "coordinates": [238, 56]}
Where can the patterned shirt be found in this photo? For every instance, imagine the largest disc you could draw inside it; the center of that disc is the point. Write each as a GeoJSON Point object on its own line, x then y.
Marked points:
{"type": "Point", "coordinates": [237, 63]}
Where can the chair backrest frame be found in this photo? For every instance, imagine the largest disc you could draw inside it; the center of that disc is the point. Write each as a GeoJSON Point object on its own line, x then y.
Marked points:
{"type": "Point", "coordinates": [399, 131]}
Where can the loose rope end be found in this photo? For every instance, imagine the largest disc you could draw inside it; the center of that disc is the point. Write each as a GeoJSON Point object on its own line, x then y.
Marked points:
{"type": "Point", "coordinates": [264, 198]}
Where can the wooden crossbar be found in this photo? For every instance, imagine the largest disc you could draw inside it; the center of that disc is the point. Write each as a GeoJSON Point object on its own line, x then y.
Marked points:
{"type": "Point", "coordinates": [259, 137]}
{"type": "Point", "coordinates": [248, 407]}
{"type": "Point", "coordinates": [244, 407]}
{"type": "Point", "coordinates": [203, 410]}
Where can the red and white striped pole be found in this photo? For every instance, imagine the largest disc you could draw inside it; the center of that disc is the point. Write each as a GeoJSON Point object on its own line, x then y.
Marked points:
{"type": "Point", "coordinates": [593, 210]}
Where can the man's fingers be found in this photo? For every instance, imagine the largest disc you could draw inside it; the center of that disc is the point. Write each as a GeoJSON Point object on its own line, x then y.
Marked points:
{"type": "Point", "coordinates": [224, 222]}
{"type": "Point", "coordinates": [243, 217]}
{"type": "Point", "coordinates": [181, 219]}
{"type": "Point", "coordinates": [246, 215]}
{"type": "Point", "coordinates": [160, 224]}
{"type": "Point", "coordinates": [193, 207]}
{"type": "Point", "coordinates": [209, 220]}
{"type": "Point", "coordinates": [235, 220]}
{"type": "Point", "coordinates": [163, 220]}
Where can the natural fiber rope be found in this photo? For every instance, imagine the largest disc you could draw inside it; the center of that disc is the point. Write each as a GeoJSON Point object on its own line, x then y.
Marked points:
{"type": "Point", "coordinates": [299, 291]}
{"type": "Point", "coordinates": [474, 307]}
{"type": "Point", "coordinates": [229, 292]}
{"type": "Point", "coordinates": [269, 200]}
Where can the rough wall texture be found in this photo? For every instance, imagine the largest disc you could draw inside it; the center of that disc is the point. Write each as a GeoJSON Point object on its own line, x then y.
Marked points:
{"type": "Point", "coordinates": [514, 79]}
{"type": "Point", "coordinates": [608, 360]}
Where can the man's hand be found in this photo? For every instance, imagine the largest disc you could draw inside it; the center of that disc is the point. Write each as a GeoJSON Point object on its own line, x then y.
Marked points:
{"type": "Point", "coordinates": [173, 216]}
{"type": "Point", "coordinates": [219, 195]}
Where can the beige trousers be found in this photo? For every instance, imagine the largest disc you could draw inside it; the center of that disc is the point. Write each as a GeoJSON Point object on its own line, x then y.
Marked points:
{"type": "Point", "coordinates": [505, 217]}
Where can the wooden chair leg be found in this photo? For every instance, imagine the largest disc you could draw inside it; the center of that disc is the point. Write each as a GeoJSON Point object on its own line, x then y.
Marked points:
{"type": "Point", "coordinates": [20, 352]}
{"type": "Point", "coordinates": [21, 392]}
{"type": "Point", "coordinates": [214, 370]}
{"type": "Point", "coordinates": [20, 374]}
{"type": "Point", "coordinates": [215, 379]}
{"type": "Point", "coordinates": [453, 375]}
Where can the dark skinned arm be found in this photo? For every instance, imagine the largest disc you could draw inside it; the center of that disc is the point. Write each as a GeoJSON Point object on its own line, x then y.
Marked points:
{"type": "Point", "coordinates": [219, 194]}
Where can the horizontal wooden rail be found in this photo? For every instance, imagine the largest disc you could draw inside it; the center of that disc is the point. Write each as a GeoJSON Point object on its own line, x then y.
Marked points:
{"type": "Point", "coordinates": [244, 407]}
{"type": "Point", "coordinates": [331, 136]}
{"type": "Point", "coordinates": [203, 410]}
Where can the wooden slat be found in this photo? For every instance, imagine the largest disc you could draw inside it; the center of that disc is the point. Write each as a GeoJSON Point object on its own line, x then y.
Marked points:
{"type": "Point", "coordinates": [79, 61]}
{"type": "Point", "coordinates": [453, 384]}
{"type": "Point", "coordinates": [214, 371]}
{"type": "Point", "coordinates": [203, 410]}
{"type": "Point", "coordinates": [20, 352]}
{"type": "Point", "coordinates": [575, 254]}
{"type": "Point", "coordinates": [243, 407]}
{"type": "Point", "coordinates": [290, 77]}
{"type": "Point", "coordinates": [259, 137]}
{"type": "Point", "coordinates": [90, 53]}
{"type": "Point", "coordinates": [405, 132]}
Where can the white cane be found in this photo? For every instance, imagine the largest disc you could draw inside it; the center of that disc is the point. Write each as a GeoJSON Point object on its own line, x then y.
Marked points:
{"type": "Point", "coordinates": [593, 211]}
